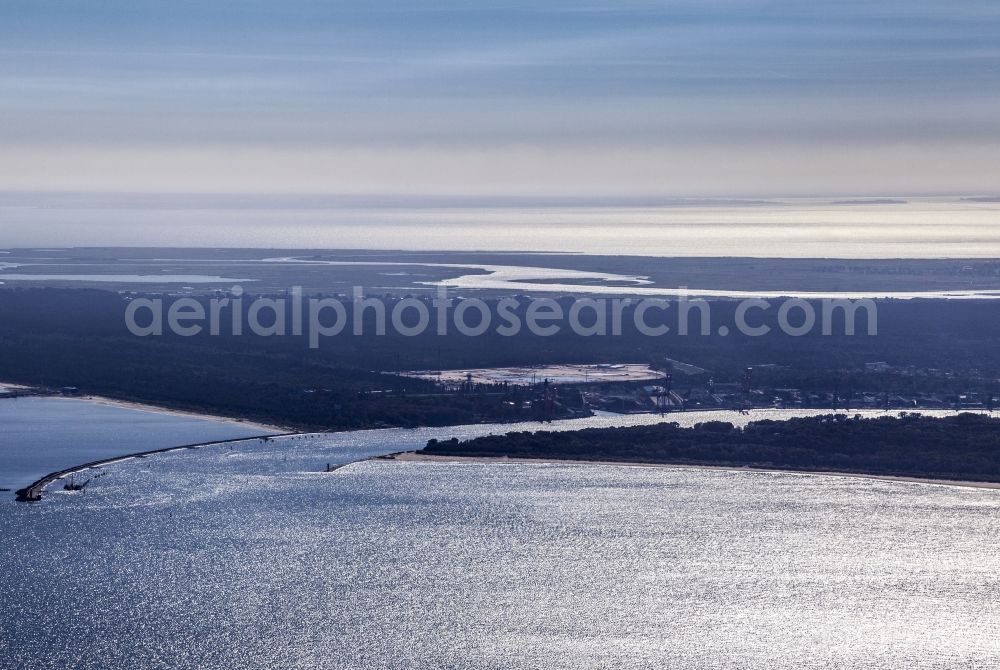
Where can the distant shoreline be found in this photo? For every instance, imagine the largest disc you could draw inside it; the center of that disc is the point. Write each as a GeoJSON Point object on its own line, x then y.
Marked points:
{"type": "Point", "coordinates": [128, 404]}
{"type": "Point", "coordinates": [415, 457]}
{"type": "Point", "coordinates": [146, 407]}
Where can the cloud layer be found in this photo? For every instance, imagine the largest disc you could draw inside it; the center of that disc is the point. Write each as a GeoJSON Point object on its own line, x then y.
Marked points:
{"type": "Point", "coordinates": [725, 97]}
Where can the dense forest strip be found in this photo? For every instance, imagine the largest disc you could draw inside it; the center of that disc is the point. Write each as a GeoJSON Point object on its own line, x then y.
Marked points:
{"type": "Point", "coordinates": [964, 447]}
{"type": "Point", "coordinates": [77, 337]}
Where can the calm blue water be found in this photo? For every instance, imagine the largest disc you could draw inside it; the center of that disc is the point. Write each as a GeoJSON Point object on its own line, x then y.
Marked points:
{"type": "Point", "coordinates": [41, 435]}
{"type": "Point", "coordinates": [250, 556]}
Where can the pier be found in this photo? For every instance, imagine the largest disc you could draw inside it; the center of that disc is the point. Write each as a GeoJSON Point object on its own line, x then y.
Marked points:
{"type": "Point", "coordinates": [33, 492]}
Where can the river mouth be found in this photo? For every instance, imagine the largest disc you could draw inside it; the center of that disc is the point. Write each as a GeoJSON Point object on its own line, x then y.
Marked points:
{"type": "Point", "coordinates": [56, 456]}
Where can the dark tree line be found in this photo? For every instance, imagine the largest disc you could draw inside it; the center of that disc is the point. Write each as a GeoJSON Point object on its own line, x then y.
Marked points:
{"type": "Point", "coordinates": [77, 337]}
{"type": "Point", "coordinates": [961, 447]}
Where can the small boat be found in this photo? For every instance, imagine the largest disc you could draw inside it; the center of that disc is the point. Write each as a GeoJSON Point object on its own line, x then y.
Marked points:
{"type": "Point", "coordinates": [71, 485]}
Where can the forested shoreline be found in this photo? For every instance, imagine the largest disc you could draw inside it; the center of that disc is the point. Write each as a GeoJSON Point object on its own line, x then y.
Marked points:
{"type": "Point", "coordinates": [960, 447]}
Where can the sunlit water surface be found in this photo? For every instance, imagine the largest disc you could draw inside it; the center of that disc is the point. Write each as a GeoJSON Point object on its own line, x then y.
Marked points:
{"type": "Point", "coordinates": [791, 228]}
{"type": "Point", "coordinates": [251, 556]}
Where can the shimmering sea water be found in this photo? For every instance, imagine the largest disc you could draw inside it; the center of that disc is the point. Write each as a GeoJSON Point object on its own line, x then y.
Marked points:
{"type": "Point", "coordinates": [251, 556]}
{"type": "Point", "coordinates": [790, 228]}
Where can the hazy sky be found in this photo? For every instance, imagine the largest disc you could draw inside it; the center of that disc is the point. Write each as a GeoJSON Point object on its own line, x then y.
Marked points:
{"type": "Point", "coordinates": [700, 97]}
